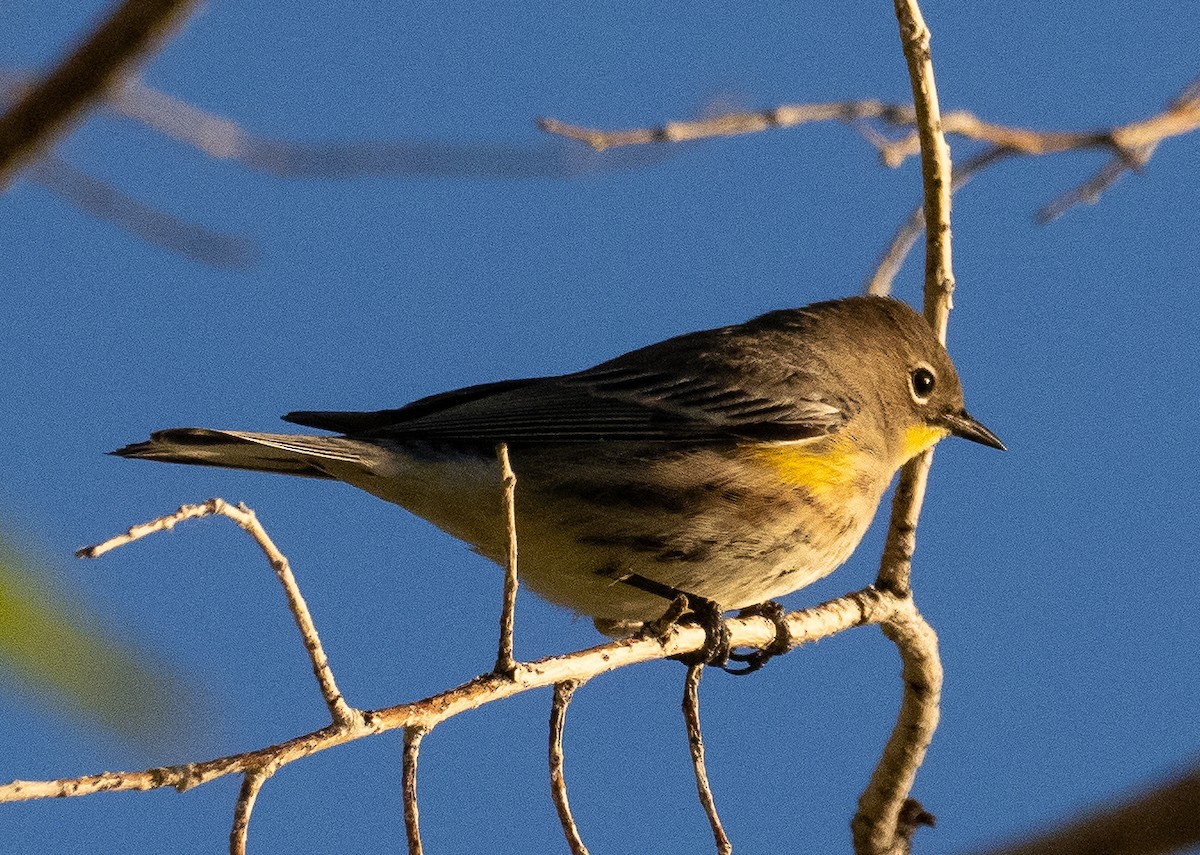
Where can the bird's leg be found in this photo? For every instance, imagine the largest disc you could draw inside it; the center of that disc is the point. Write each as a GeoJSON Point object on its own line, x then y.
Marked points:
{"type": "Point", "coordinates": [660, 626]}
{"type": "Point", "coordinates": [708, 614]}
{"type": "Point", "coordinates": [780, 645]}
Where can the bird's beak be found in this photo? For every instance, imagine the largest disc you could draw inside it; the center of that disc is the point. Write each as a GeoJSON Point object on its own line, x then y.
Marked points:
{"type": "Point", "coordinates": [961, 424]}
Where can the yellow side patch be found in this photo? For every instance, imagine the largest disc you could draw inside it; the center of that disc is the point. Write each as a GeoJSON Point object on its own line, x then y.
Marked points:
{"type": "Point", "coordinates": [921, 438]}
{"type": "Point", "coordinates": [822, 471]}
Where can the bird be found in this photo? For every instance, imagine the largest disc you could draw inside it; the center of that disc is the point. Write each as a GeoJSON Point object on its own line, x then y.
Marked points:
{"type": "Point", "coordinates": [732, 465]}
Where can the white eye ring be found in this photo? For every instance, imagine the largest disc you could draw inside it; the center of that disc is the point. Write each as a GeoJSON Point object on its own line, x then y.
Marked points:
{"type": "Point", "coordinates": [921, 383]}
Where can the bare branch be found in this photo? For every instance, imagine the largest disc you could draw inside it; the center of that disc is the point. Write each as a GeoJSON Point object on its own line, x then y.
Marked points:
{"type": "Point", "coordinates": [1166, 819]}
{"type": "Point", "coordinates": [869, 606]}
{"type": "Point", "coordinates": [859, 115]}
{"type": "Point", "coordinates": [935, 167]}
{"type": "Point", "coordinates": [558, 782]}
{"type": "Point", "coordinates": [412, 825]}
{"type": "Point", "coordinates": [505, 664]}
{"type": "Point", "coordinates": [134, 29]}
{"type": "Point", "coordinates": [876, 826]}
{"type": "Point", "coordinates": [1180, 119]}
{"type": "Point", "coordinates": [1132, 146]}
{"type": "Point", "coordinates": [1182, 115]}
{"type": "Point", "coordinates": [251, 784]}
{"type": "Point", "coordinates": [343, 714]}
{"type": "Point", "coordinates": [691, 715]}
{"type": "Point", "coordinates": [163, 523]}
{"type": "Point", "coordinates": [727, 124]}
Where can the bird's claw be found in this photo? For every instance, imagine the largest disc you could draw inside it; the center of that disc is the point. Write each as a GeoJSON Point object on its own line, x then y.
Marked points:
{"type": "Point", "coordinates": [781, 644]}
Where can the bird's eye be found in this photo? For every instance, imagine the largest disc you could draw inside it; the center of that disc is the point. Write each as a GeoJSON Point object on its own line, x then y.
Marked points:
{"type": "Point", "coordinates": [922, 381]}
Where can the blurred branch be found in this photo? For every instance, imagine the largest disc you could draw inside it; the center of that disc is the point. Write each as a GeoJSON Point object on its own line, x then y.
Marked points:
{"type": "Point", "coordinates": [220, 137]}
{"type": "Point", "coordinates": [105, 202]}
{"type": "Point", "coordinates": [906, 236]}
{"type": "Point", "coordinates": [134, 29]}
{"type": "Point", "coordinates": [223, 138]}
{"type": "Point", "coordinates": [1166, 819]}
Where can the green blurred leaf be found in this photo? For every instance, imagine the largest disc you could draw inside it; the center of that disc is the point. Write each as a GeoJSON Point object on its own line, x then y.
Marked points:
{"type": "Point", "coordinates": [58, 649]}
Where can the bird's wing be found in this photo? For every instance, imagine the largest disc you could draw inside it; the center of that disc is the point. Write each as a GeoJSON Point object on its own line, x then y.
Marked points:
{"type": "Point", "coordinates": [609, 402]}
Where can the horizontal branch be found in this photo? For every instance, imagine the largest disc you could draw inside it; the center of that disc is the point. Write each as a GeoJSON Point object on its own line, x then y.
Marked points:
{"type": "Point", "coordinates": [868, 606]}
{"type": "Point", "coordinates": [1181, 117]}
{"type": "Point", "coordinates": [1132, 144]}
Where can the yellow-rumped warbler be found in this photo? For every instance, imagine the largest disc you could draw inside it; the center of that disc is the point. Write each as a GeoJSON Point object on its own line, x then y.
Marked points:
{"type": "Point", "coordinates": [736, 464]}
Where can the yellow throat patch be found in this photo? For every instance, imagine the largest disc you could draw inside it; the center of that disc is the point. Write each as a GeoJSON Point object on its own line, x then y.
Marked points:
{"type": "Point", "coordinates": [921, 438]}
{"type": "Point", "coordinates": [829, 470]}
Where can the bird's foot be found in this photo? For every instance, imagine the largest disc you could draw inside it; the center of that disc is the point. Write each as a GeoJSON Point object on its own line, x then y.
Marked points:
{"type": "Point", "coordinates": [781, 644]}
{"type": "Point", "coordinates": [687, 608]}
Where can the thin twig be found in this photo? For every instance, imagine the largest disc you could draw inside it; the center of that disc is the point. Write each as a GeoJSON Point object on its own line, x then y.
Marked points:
{"type": "Point", "coordinates": [1137, 144]}
{"type": "Point", "coordinates": [412, 820]}
{"type": "Point", "coordinates": [343, 714]}
{"type": "Point", "coordinates": [558, 782]}
{"type": "Point", "coordinates": [134, 29]}
{"type": "Point", "coordinates": [1132, 144]}
{"type": "Point", "coordinates": [868, 606]}
{"type": "Point", "coordinates": [505, 663]}
{"type": "Point", "coordinates": [252, 782]}
{"type": "Point", "coordinates": [691, 715]}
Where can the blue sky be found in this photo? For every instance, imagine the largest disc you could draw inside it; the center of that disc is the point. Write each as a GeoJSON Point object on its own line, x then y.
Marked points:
{"type": "Point", "coordinates": [1061, 576]}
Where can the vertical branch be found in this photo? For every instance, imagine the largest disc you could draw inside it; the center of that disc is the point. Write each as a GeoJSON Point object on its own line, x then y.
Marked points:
{"type": "Point", "coordinates": [132, 30]}
{"type": "Point", "coordinates": [895, 565]}
{"type": "Point", "coordinates": [935, 166]}
{"type": "Point", "coordinates": [413, 734]}
{"type": "Point", "coordinates": [251, 783]}
{"type": "Point", "coordinates": [691, 715]}
{"type": "Point", "coordinates": [887, 817]}
{"type": "Point", "coordinates": [558, 782]}
{"type": "Point", "coordinates": [877, 827]}
{"type": "Point", "coordinates": [505, 664]}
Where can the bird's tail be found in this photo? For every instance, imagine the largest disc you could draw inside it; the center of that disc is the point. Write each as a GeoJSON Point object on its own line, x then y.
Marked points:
{"type": "Point", "coordinates": [290, 454]}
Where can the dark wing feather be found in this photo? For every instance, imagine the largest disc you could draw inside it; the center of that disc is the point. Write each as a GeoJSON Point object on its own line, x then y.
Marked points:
{"type": "Point", "coordinates": [356, 423]}
{"type": "Point", "coordinates": [608, 403]}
